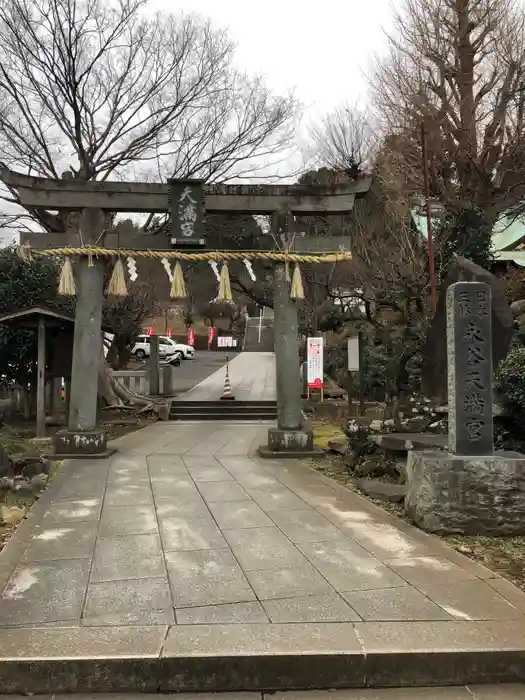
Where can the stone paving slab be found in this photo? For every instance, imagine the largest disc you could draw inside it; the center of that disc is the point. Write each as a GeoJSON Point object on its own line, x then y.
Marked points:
{"type": "Point", "coordinates": [57, 593]}
{"type": "Point", "coordinates": [128, 557]}
{"type": "Point", "coordinates": [247, 571]}
{"type": "Point", "coordinates": [394, 604]}
{"type": "Point", "coordinates": [326, 607]}
{"type": "Point", "coordinates": [144, 601]}
{"type": "Point", "coordinates": [230, 613]}
{"type": "Point", "coordinates": [65, 541]}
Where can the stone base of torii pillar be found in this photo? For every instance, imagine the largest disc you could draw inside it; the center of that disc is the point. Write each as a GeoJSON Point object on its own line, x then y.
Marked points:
{"type": "Point", "coordinates": [291, 438]}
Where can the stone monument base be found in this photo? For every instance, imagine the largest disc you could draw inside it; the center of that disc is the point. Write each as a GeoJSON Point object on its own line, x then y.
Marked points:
{"type": "Point", "coordinates": [290, 443]}
{"type": "Point", "coordinates": [449, 494]}
{"type": "Point", "coordinates": [81, 444]}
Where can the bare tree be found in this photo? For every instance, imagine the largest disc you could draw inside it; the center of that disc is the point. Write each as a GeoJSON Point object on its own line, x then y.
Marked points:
{"type": "Point", "coordinates": [98, 89]}
{"type": "Point", "coordinates": [457, 67]}
{"type": "Point", "coordinates": [344, 140]}
{"type": "Point", "coordinates": [389, 278]}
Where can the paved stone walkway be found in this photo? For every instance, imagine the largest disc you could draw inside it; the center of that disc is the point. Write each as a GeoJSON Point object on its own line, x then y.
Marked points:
{"type": "Point", "coordinates": [252, 378]}
{"type": "Point", "coordinates": [186, 544]}
{"type": "Point", "coordinates": [185, 525]}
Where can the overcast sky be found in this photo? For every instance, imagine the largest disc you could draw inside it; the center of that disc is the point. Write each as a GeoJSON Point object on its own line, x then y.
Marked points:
{"type": "Point", "coordinates": [318, 48]}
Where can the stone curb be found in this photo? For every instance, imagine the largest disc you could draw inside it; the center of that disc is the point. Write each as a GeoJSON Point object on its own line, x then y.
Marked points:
{"type": "Point", "coordinates": [97, 455]}
{"type": "Point", "coordinates": [274, 657]}
{"type": "Point", "coordinates": [266, 453]}
{"type": "Point", "coordinates": [437, 544]}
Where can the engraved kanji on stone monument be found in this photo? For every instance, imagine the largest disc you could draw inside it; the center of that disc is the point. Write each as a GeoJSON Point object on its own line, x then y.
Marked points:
{"type": "Point", "coordinates": [469, 349]}
{"type": "Point", "coordinates": [187, 210]}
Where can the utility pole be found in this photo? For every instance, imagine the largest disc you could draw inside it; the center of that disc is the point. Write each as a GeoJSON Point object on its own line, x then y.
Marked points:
{"type": "Point", "coordinates": [430, 236]}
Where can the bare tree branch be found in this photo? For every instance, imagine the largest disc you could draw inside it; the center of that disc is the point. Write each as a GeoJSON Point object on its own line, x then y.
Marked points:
{"type": "Point", "coordinates": [458, 68]}
{"type": "Point", "coordinates": [106, 88]}
{"type": "Point", "coordinates": [344, 140]}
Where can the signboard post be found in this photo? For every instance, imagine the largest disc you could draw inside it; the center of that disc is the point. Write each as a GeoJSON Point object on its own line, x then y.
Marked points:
{"type": "Point", "coordinates": [355, 364]}
{"type": "Point", "coordinates": [315, 365]}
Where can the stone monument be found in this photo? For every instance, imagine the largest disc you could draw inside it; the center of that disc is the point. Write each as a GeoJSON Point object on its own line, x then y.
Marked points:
{"type": "Point", "coordinates": [434, 368]}
{"type": "Point", "coordinates": [469, 489]}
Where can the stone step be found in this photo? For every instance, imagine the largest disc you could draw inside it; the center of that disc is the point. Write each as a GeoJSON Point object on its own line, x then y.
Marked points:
{"type": "Point", "coordinates": [226, 415]}
{"type": "Point", "coordinates": [262, 657]}
{"type": "Point", "coordinates": [223, 410]}
{"type": "Point", "coordinates": [503, 691]}
{"type": "Point", "coordinates": [220, 404]}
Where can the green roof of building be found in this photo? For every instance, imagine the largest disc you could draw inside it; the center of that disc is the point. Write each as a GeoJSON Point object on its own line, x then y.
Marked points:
{"type": "Point", "coordinates": [507, 234]}
{"type": "Point", "coordinates": [515, 256]}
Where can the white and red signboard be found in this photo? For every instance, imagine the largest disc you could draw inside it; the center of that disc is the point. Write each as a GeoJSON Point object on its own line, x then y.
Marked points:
{"type": "Point", "coordinates": [191, 336]}
{"type": "Point", "coordinates": [211, 335]}
{"type": "Point", "coordinates": [224, 341]}
{"type": "Point", "coordinates": [315, 373]}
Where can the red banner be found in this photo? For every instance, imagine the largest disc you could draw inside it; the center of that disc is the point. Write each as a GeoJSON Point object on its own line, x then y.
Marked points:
{"type": "Point", "coordinates": [211, 335]}
{"type": "Point", "coordinates": [191, 337]}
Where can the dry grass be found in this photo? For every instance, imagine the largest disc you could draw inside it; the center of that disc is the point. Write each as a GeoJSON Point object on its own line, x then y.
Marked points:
{"type": "Point", "coordinates": [503, 555]}
{"type": "Point", "coordinates": [324, 432]}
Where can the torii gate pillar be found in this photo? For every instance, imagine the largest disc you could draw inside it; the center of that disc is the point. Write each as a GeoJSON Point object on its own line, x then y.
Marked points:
{"type": "Point", "coordinates": [290, 438]}
{"type": "Point", "coordinates": [82, 438]}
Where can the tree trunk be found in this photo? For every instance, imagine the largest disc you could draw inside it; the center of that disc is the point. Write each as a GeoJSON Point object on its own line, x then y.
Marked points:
{"type": "Point", "coordinates": [114, 394]}
{"type": "Point", "coordinates": [106, 392]}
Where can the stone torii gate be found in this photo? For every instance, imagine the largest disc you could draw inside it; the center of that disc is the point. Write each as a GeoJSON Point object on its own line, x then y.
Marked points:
{"type": "Point", "coordinates": [94, 200]}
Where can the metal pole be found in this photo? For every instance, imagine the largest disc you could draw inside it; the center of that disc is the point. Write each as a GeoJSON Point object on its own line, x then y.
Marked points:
{"type": "Point", "coordinates": [260, 324]}
{"type": "Point", "coordinates": [361, 382]}
{"type": "Point", "coordinates": [154, 374]}
{"type": "Point", "coordinates": [41, 380]}
{"type": "Point", "coordinates": [430, 237]}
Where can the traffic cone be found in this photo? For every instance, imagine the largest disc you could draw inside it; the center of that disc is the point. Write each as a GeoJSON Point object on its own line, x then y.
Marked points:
{"type": "Point", "coordinates": [227, 394]}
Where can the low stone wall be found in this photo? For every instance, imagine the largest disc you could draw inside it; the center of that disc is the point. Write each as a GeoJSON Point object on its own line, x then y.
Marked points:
{"type": "Point", "coordinates": [12, 397]}
{"type": "Point", "coordinates": [137, 381]}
